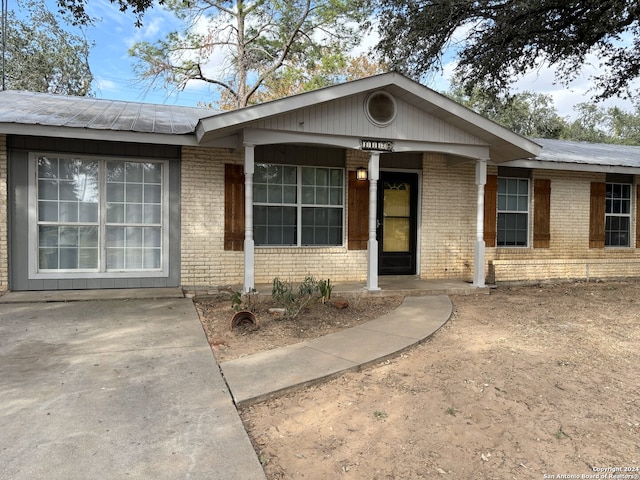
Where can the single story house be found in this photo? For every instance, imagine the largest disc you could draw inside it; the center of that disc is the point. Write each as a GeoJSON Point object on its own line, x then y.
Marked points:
{"type": "Point", "coordinates": [380, 176]}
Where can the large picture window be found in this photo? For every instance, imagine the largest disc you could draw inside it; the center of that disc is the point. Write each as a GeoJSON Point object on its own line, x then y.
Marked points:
{"type": "Point", "coordinates": [96, 215]}
{"type": "Point", "coordinates": [618, 215]}
{"type": "Point", "coordinates": [298, 206]}
{"type": "Point", "coordinates": [513, 212]}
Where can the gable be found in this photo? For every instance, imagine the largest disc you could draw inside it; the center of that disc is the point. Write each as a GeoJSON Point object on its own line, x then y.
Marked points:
{"type": "Point", "coordinates": [346, 116]}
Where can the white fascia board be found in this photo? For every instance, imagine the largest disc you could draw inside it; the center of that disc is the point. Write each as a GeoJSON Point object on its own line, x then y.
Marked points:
{"type": "Point", "coordinates": [470, 152]}
{"type": "Point", "coordinates": [455, 110]}
{"type": "Point", "coordinates": [106, 135]}
{"type": "Point", "coordinates": [571, 167]}
{"type": "Point", "coordinates": [254, 136]}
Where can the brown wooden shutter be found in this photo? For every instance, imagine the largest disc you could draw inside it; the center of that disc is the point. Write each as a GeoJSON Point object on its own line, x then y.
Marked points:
{"type": "Point", "coordinates": [541, 213]}
{"type": "Point", "coordinates": [358, 223]}
{"type": "Point", "coordinates": [596, 220]}
{"type": "Point", "coordinates": [638, 216]}
{"type": "Point", "coordinates": [490, 210]}
{"type": "Point", "coordinates": [233, 207]}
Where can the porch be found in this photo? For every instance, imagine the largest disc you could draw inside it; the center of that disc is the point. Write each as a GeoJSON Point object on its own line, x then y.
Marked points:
{"type": "Point", "coordinates": [389, 285]}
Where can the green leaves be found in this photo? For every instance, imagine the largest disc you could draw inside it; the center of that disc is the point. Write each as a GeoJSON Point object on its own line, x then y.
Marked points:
{"type": "Point", "coordinates": [496, 41]}
{"type": "Point", "coordinates": [43, 57]}
{"type": "Point", "coordinates": [248, 48]}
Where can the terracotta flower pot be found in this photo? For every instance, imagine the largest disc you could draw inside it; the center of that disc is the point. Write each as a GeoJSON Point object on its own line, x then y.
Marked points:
{"type": "Point", "coordinates": [243, 317]}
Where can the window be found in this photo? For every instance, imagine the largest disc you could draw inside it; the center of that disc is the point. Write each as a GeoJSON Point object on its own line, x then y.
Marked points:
{"type": "Point", "coordinates": [298, 206]}
{"type": "Point", "coordinates": [97, 215]}
{"type": "Point", "coordinates": [618, 215]}
{"type": "Point", "coordinates": [513, 212]}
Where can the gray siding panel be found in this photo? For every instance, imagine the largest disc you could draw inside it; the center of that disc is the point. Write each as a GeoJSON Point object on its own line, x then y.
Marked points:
{"type": "Point", "coordinates": [19, 148]}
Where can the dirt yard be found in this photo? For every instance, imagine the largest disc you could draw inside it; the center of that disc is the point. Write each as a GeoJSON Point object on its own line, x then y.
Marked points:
{"type": "Point", "coordinates": [527, 382]}
{"type": "Point", "coordinates": [273, 331]}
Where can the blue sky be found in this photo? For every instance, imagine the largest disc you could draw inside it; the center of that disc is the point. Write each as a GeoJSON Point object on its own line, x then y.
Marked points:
{"type": "Point", "coordinates": [114, 32]}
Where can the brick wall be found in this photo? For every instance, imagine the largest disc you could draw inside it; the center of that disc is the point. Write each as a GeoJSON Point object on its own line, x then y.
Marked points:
{"type": "Point", "coordinates": [447, 231]}
{"type": "Point", "coordinates": [4, 234]}
{"type": "Point", "coordinates": [568, 255]}
{"type": "Point", "coordinates": [204, 260]}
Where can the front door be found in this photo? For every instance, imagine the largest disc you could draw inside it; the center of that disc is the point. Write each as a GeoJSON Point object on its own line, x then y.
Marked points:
{"type": "Point", "coordinates": [397, 223]}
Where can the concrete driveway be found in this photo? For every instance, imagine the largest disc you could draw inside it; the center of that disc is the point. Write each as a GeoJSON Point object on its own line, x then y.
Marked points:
{"type": "Point", "coordinates": [113, 389]}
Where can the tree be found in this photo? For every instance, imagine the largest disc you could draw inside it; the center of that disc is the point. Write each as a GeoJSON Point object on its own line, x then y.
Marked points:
{"type": "Point", "coordinates": [330, 70]}
{"type": "Point", "coordinates": [589, 125]}
{"type": "Point", "coordinates": [527, 113]}
{"type": "Point", "coordinates": [611, 125]}
{"type": "Point", "coordinates": [79, 15]}
{"type": "Point", "coordinates": [253, 41]}
{"type": "Point", "coordinates": [42, 57]}
{"type": "Point", "coordinates": [624, 127]}
{"type": "Point", "coordinates": [498, 40]}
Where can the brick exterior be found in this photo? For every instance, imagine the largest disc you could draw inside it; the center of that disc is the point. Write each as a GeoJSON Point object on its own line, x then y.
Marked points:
{"type": "Point", "coordinates": [4, 234]}
{"type": "Point", "coordinates": [204, 261]}
{"type": "Point", "coordinates": [568, 255]}
{"type": "Point", "coordinates": [447, 231]}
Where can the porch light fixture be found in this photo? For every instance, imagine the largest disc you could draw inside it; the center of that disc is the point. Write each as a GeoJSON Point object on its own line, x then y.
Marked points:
{"type": "Point", "coordinates": [361, 173]}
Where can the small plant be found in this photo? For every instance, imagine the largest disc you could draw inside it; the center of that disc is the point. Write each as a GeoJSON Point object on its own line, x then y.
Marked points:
{"type": "Point", "coordinates": [451, 411]}
{"type": "Point", "coordinates": [380, 414]}
{"type": "Point", "coordinates": [560, 434]}
{"type": "Point", "coordinates": [325, 288]}
{"type": "Point", "coordinates": [243, 301]}
{"type": "Point", "coordinates": [293, 300]}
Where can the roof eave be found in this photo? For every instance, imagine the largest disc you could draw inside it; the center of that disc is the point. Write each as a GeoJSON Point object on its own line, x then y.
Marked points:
{"type": "Point", "coordinates": [95, 134]}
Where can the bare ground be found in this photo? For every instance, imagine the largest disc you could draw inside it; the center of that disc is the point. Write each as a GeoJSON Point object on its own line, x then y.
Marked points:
{"type": "Point", "coordinates": [273, 331]}
{"type": "Point", "coordinates": [522, 383]}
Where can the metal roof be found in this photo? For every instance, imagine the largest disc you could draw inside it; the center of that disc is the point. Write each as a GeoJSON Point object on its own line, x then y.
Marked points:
{"type": "Point", "coordinates": [28, 108]}
{"type": "Point", "coordinates": [169, 122]}
{"type": "Point", "coordinates": [566, 151]}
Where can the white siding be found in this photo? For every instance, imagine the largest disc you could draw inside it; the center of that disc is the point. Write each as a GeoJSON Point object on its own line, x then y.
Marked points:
{"type": "Point", "coordinates": [346, 116]}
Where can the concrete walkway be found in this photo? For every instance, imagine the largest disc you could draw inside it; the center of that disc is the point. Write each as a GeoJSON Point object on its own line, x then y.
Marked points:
{"type": "Point", "coordinates": [119, 384]}
{"type": "Point", "coordinates": [114, 389]}
{"type": "Point", "coordinates": [263, 375]}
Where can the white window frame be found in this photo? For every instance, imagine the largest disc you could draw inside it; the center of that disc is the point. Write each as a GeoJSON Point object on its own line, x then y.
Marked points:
{"type": "Point", "coordinates": [627, 215]}
{"type": "Point", "coordinates": [100, 272]}
{"type": "Point", "coordinates": [299, 206]}
{"type": "Point", "coordinates": [510, 211]}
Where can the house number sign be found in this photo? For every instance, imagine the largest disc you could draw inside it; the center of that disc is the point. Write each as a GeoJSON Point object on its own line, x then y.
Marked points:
{"type": "Point", "coordinates": [377, 145]}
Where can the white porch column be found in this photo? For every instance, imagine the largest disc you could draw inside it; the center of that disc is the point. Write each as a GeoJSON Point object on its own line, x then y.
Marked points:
{"type": "Point", "coordinates": [372, 244]}
{"type": "Point", "coordinates": [249, 244]}
{"type": "Point", "coordinates": [479, 255]}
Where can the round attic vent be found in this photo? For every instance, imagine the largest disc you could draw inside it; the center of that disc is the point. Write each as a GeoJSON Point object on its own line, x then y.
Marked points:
{"type": "Point", "coordinates": [380, 108]}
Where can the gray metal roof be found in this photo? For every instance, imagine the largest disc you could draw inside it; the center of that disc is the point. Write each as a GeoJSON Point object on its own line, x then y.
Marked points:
{"type": "Point", "coordinates": [566, 151]}
{"type": "Point", "coordinates": [27, 108]}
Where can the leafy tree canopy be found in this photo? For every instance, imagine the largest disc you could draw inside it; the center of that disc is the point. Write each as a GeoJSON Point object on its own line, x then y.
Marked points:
{"type": "Point", "coordinates": [41, 56]}
{"type": "Point", "coordinates": [527, 113]}
{"type": "Point", "coordinates": [78, 9]}
{"type": "Point", "coordinates": [242, 47]}
{"type": "Point", "coordinates": [498, 40]}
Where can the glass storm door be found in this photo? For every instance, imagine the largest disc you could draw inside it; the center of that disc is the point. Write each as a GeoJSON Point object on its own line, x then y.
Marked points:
{"type": "Point", "coordinates": [397, 223]}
